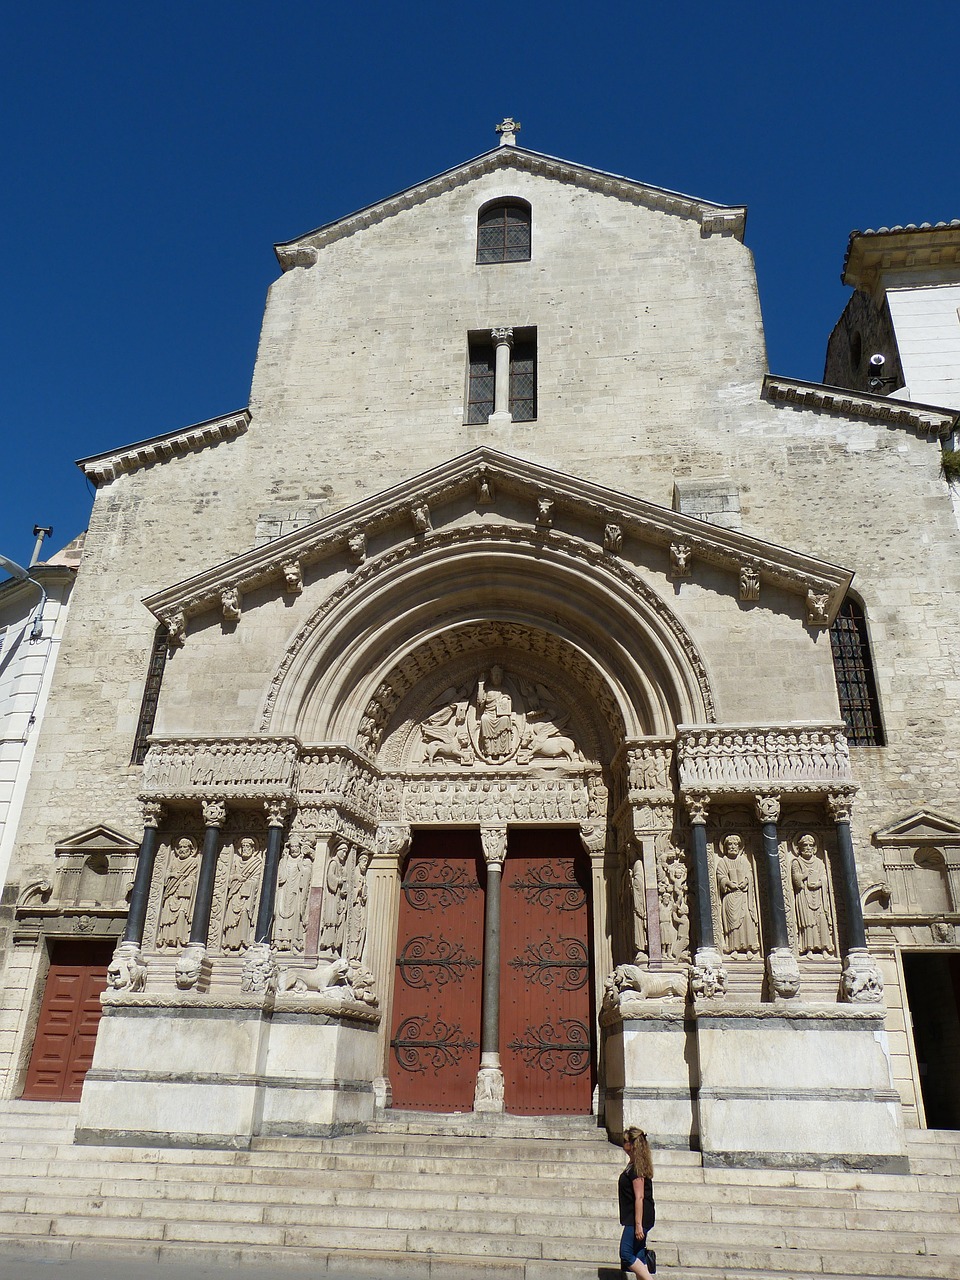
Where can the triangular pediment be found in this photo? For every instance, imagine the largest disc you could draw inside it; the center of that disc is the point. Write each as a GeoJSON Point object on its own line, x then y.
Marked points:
{"type": "Point", "coordinates": [103, 839]}
{"type": "Point", "coordinates": [545, 499]}
{"type": "Point", "coordinates": [923, 827]}
{"type": "Point", "coordinates": [714, 219]}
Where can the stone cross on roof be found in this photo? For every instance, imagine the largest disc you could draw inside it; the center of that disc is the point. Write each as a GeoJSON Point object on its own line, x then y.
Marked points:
{"type": "Point", "coordinates": [508, 129]}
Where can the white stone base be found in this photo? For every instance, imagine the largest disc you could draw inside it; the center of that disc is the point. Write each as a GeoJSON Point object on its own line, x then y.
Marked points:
{"type": "Point", "coordinates": [647, 1060]}
{"type": "Point", "coordinates": [201, 1074]}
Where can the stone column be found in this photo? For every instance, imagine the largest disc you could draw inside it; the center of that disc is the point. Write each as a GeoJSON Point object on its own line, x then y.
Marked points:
{"type": "Point", "coordinates": [503, 341]}
{"type": "Point", "coordinates": [488, 1095]}
{"type": "Point", "coordinates": [259, 965]}
{"type": "Point", "coordinates": [861, 980]}
{"type": "Point", "coordinates": [128, 969]}
{"type": "Point", "coordinates": [383, 910]}
{"type": "Point", "coordinates": [783, 970]}
{"type": "Point", "coordinates": [708, 978]}
{"type": "Point", "coordinates": [192, 963]}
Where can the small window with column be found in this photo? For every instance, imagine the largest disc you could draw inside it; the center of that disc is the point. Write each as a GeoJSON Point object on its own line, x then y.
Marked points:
{"type": "Point", "coordinates": [856, 684]}
{"type": "Point", "coordinates": [151, 696]}
{"type": "Point", "coordinates": [502, 376]}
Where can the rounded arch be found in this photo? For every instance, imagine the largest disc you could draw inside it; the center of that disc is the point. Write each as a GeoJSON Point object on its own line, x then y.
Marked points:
{"type": "Point", "coordinates": [504, 230]}
{"type": "Point", "coordinates": [593, 610]}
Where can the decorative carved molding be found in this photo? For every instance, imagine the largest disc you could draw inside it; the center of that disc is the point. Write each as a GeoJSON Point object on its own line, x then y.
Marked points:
{"type": "Point", "coordinates": [152, 811]}
{"type": "Point", "coordinates": [393, 839]}
{"type": "Point", "coordinates": [481, 799]}
{"type": "Point", "coordinates": [840, 804]}
{"type": "Point", "coordinates": [357, 546]}
{"type": "Point", "coordinates": [101, 468]}
{"type": "Point", "coordinates": [742, 759]}
{"type": "Point", "coordinates": [681, 554]}
{"type": "Point", "coordinates": [420, 515]}
{"type": "Point", "coordinates": [612, 538]}
{"type": "Point", "coordinates": [545, 507]}
{"type": "Point", "coordinates": [926, 421]}
{"type": "Point", "coordinates": [292, 577]}
{"type": "Point", "coordinates": [768, 808]}
{"type": "Point", "coordinates": [698, 806]}
{"type": "Point", "coordinates": [296, 255]}
{"type": "Point", "coordinates": [818, 608]}
{"type": "Point", "coordinates": [178, 768]}
{"type": "Point", "coordinates": [231, 604]}
{"type": "Point", "coordinates": [749, 584]}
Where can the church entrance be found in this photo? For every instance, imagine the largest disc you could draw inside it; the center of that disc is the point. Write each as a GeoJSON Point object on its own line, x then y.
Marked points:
{"type": "Point", "coordinates": [933, 995]}
{"type": "Point", "coordinates": [69, 1017]}
{"type": "Point", "coordinates": [546, 1012]}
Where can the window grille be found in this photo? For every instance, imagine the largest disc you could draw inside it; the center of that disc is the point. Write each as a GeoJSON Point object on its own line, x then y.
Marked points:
{"type": "Point", "coordinates": [480, 394]}
{"type": "Point", "coordinates": [856, 685]}
{"type": "Point", "coordinates": [523, 382]}
{"type": "Point", "coordinates": [151, 696]}
{"type": "Point", "coordinates": [503, 232]}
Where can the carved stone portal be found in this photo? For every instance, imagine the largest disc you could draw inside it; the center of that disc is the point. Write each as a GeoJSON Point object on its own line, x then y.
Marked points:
{"type": "Point", "coordinates": [501, 719]}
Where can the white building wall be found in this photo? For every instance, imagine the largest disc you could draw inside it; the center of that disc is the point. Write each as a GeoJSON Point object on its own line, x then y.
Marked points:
{"type": "Point", "coordinates": [927, 324]}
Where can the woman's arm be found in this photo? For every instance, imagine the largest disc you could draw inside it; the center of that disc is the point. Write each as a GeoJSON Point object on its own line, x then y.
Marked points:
{"type": "Point", "coordinates": [638, 1207]}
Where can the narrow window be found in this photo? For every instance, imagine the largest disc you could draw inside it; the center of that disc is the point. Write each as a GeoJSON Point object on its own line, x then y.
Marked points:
{"type": "Point", "coordinates": [502, 375]}
{"type": "Point", "coordinates": [503, 232]}
{"type": "Point", "coordinates": [853, 668]}
{"type": "Point", "coordinates": [151, 696]}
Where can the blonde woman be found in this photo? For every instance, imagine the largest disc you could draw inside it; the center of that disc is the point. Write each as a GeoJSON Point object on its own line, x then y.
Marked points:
{"type": "Point", "coordinates": [637, 1212]}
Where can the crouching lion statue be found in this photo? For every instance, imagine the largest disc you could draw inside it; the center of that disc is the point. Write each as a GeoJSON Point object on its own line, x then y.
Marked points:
{"type": "Point", "coordinates": [631, 981]}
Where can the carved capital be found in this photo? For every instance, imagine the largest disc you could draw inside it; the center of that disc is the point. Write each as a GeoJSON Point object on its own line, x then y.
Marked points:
{"type": "Point", "coordinates": [593, 837]}
{"type": "Point", "coordinates": [698, 805]}
{"type": "Point", "coordinates": [494, 841]}
{"type": "Point", "coordinates": [393, 838]}
{"type": "Point", "coordinates": [292, 577]}
{"type": "Point", "coordinates": [231, 604]}
{"type": "Point", "coordinates": [612, 538]}
{"type": "Point", "coordinates": [840, 805]}
{"type": "Point", "coordinates": [768, 808]}
{"type": "Point", "coordinates": [214, 813]}
{"type": "Point", "coordinates": [502, 335]}
{"type": "Point", "coordinates": [749, 583]}
{"type": "Point", "coordinates": [277, 811]}
{"type": "Point", "coordinates": [152, 811]}
{"type": "Point", "coordinates": [681, 554]}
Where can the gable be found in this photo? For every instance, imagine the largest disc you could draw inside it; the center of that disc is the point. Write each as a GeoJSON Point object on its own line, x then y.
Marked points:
{"type": "Point", "coordinates": [548, 496]}
{"type": "Point", "coordinates": [923, 827]}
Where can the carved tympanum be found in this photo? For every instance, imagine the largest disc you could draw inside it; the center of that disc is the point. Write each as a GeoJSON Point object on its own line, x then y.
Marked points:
{"type": "Point", "coordinates": [502, 719]}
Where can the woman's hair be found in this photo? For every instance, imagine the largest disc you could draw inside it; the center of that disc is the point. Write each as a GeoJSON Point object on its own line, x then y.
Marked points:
{"type": "Point", "coordinates": [641, 1159]}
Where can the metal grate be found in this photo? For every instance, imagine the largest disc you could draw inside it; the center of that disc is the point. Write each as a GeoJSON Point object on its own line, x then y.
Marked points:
{"type": "Point", "coordinates": [151, 696]}
{"type": "Point", "coordinates": [856, 685]}
{"type": "Point", "coordinates": [503, 233]}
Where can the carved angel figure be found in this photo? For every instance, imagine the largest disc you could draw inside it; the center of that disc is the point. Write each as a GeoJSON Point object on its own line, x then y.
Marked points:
{"type": "Point", "coordinates": [241, 896]}
{"type": "Point", "coordinates": [809, 878]}
{"type": "Point", "coordinates": [738, 910]}
{"type": "Point", "coordinates": [173, 927]}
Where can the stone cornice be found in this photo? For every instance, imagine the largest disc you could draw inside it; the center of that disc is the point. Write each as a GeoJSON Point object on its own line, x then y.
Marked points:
{"type": "Point", "coordinates": [714, 219]}
{"type": "Point", "coordinates": [101, 468]}
{"type": "Point", "coordinates": [929, 421]}
{"type": "Point", "coordinates": [485, 470]}
{"type": "Point", "coordinates": [871, 255]}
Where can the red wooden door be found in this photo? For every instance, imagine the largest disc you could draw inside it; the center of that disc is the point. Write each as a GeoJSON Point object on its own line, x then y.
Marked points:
{"type": "Point", "coordinates": [435, 1044]}
{"type": "Point", "coordinates": [546, 995]}
{"type": "Point", "coordinates": [69, 1017]}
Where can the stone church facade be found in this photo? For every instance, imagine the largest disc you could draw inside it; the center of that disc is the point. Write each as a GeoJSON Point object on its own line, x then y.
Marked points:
{"type": "Point", "coordinates": [456, 728]}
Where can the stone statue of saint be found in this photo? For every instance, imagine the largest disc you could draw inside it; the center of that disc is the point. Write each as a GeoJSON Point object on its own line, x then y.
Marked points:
{"type": "Point", "coordinates": [292, 883]}
{"type": "Point", "coordinates": [357, 916]}
{"type": "Point", "coordinates": [495, 714]}
{"type": "Point", "coordinates": [333, 909]}
{"type": "Point", "coordinates": [173, 927]}
{"type": "Point", "coordinates": [242, 896]}
{"type": "Point", "coordinates": [738, 902]}
{"type": "Point", "coordinates": [809, 878]}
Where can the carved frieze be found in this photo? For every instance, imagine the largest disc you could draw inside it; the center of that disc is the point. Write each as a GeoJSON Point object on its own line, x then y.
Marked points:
{"type": "Point", "coordinates": [809, 758]}
{"type": "Point", "coordinates": [511, 797]}
{"type": "Point", "coordinates": [220, 768]}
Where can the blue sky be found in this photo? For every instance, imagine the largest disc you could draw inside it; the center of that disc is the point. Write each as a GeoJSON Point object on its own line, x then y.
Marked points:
{"type": "Point", "coordinates": [154, 154]}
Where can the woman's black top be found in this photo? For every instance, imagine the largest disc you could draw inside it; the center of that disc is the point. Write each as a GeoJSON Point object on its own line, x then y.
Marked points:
{"type": "Point", "coordinates": [628, 1200]}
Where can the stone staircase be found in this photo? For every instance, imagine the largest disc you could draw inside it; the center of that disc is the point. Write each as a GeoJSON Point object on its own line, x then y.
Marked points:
{"type": "Point", "coordinates": [432, 1198]}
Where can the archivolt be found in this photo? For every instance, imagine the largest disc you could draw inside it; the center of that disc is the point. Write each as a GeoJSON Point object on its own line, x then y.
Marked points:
{"type": "Point", "coordinates": [405, 600]}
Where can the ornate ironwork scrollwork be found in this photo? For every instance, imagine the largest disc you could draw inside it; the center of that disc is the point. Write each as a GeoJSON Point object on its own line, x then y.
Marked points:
{"type": "Point", "coordinates": [562, 1046]}
{"type": "Point", "coordinates": [543, 885]}
{"type": "Point", "coordinates": [421, 1044]}
{"type": "Point", "coordinates": [425, 953]}
{"type": "Point", "coordinates": [429, 885]}
{"type": "Point", "coordinates": [543, 962]}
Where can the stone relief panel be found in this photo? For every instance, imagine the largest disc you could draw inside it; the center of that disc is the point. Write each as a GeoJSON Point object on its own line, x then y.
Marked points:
{"type": "Point", "coordinates": [737, 896]}
{"type": "Point", "coordinates": [783, 759]}
{"type": "Point", "coordinates": [673, 895]}
{"type": "Point", "coordinates": [811, 896]}
{"type": "Point", "coordinates": [242, 893]}
{"type": "Point", "coordinates": [333, 906]}
{"type": "Point", "coordinates": [500, 719]}
{"type": "Point", "coordinates": [473, 798]}
{"type": "Point", "coordinates": [176, 874]}
{"type": "Point", "coordinates": [293, 892]}
{"type": "Point", "coordinates": [223, 769]}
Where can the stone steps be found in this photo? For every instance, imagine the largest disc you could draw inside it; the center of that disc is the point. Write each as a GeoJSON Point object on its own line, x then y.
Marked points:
{"type": "Point", "coordinates": [423, 1203]}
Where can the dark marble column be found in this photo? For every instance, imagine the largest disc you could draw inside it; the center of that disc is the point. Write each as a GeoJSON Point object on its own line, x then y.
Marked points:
{"type": "Point", "coordinates": [783, 969]}
{"type": "Point", "coordinates": [488, 1095]}
{"type": "Point", "coordinates": [214, 816]}
{"type": "Point", "coordinates": [276, 815]}
{"type": "Point", "coordinates": [861, 980]}
{"type": "Point", "coordinates": [143, 878]}
{"type": "Point", "coordinates": [708, 978]}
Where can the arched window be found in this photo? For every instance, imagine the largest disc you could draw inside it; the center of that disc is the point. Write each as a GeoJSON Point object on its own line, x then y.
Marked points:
{"type": "Point", "coordinates": [853, 668]}
{"type": "Point", "coordinates": [151, 696]}
{"type": "Point", "coordinates": [503, 232]}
